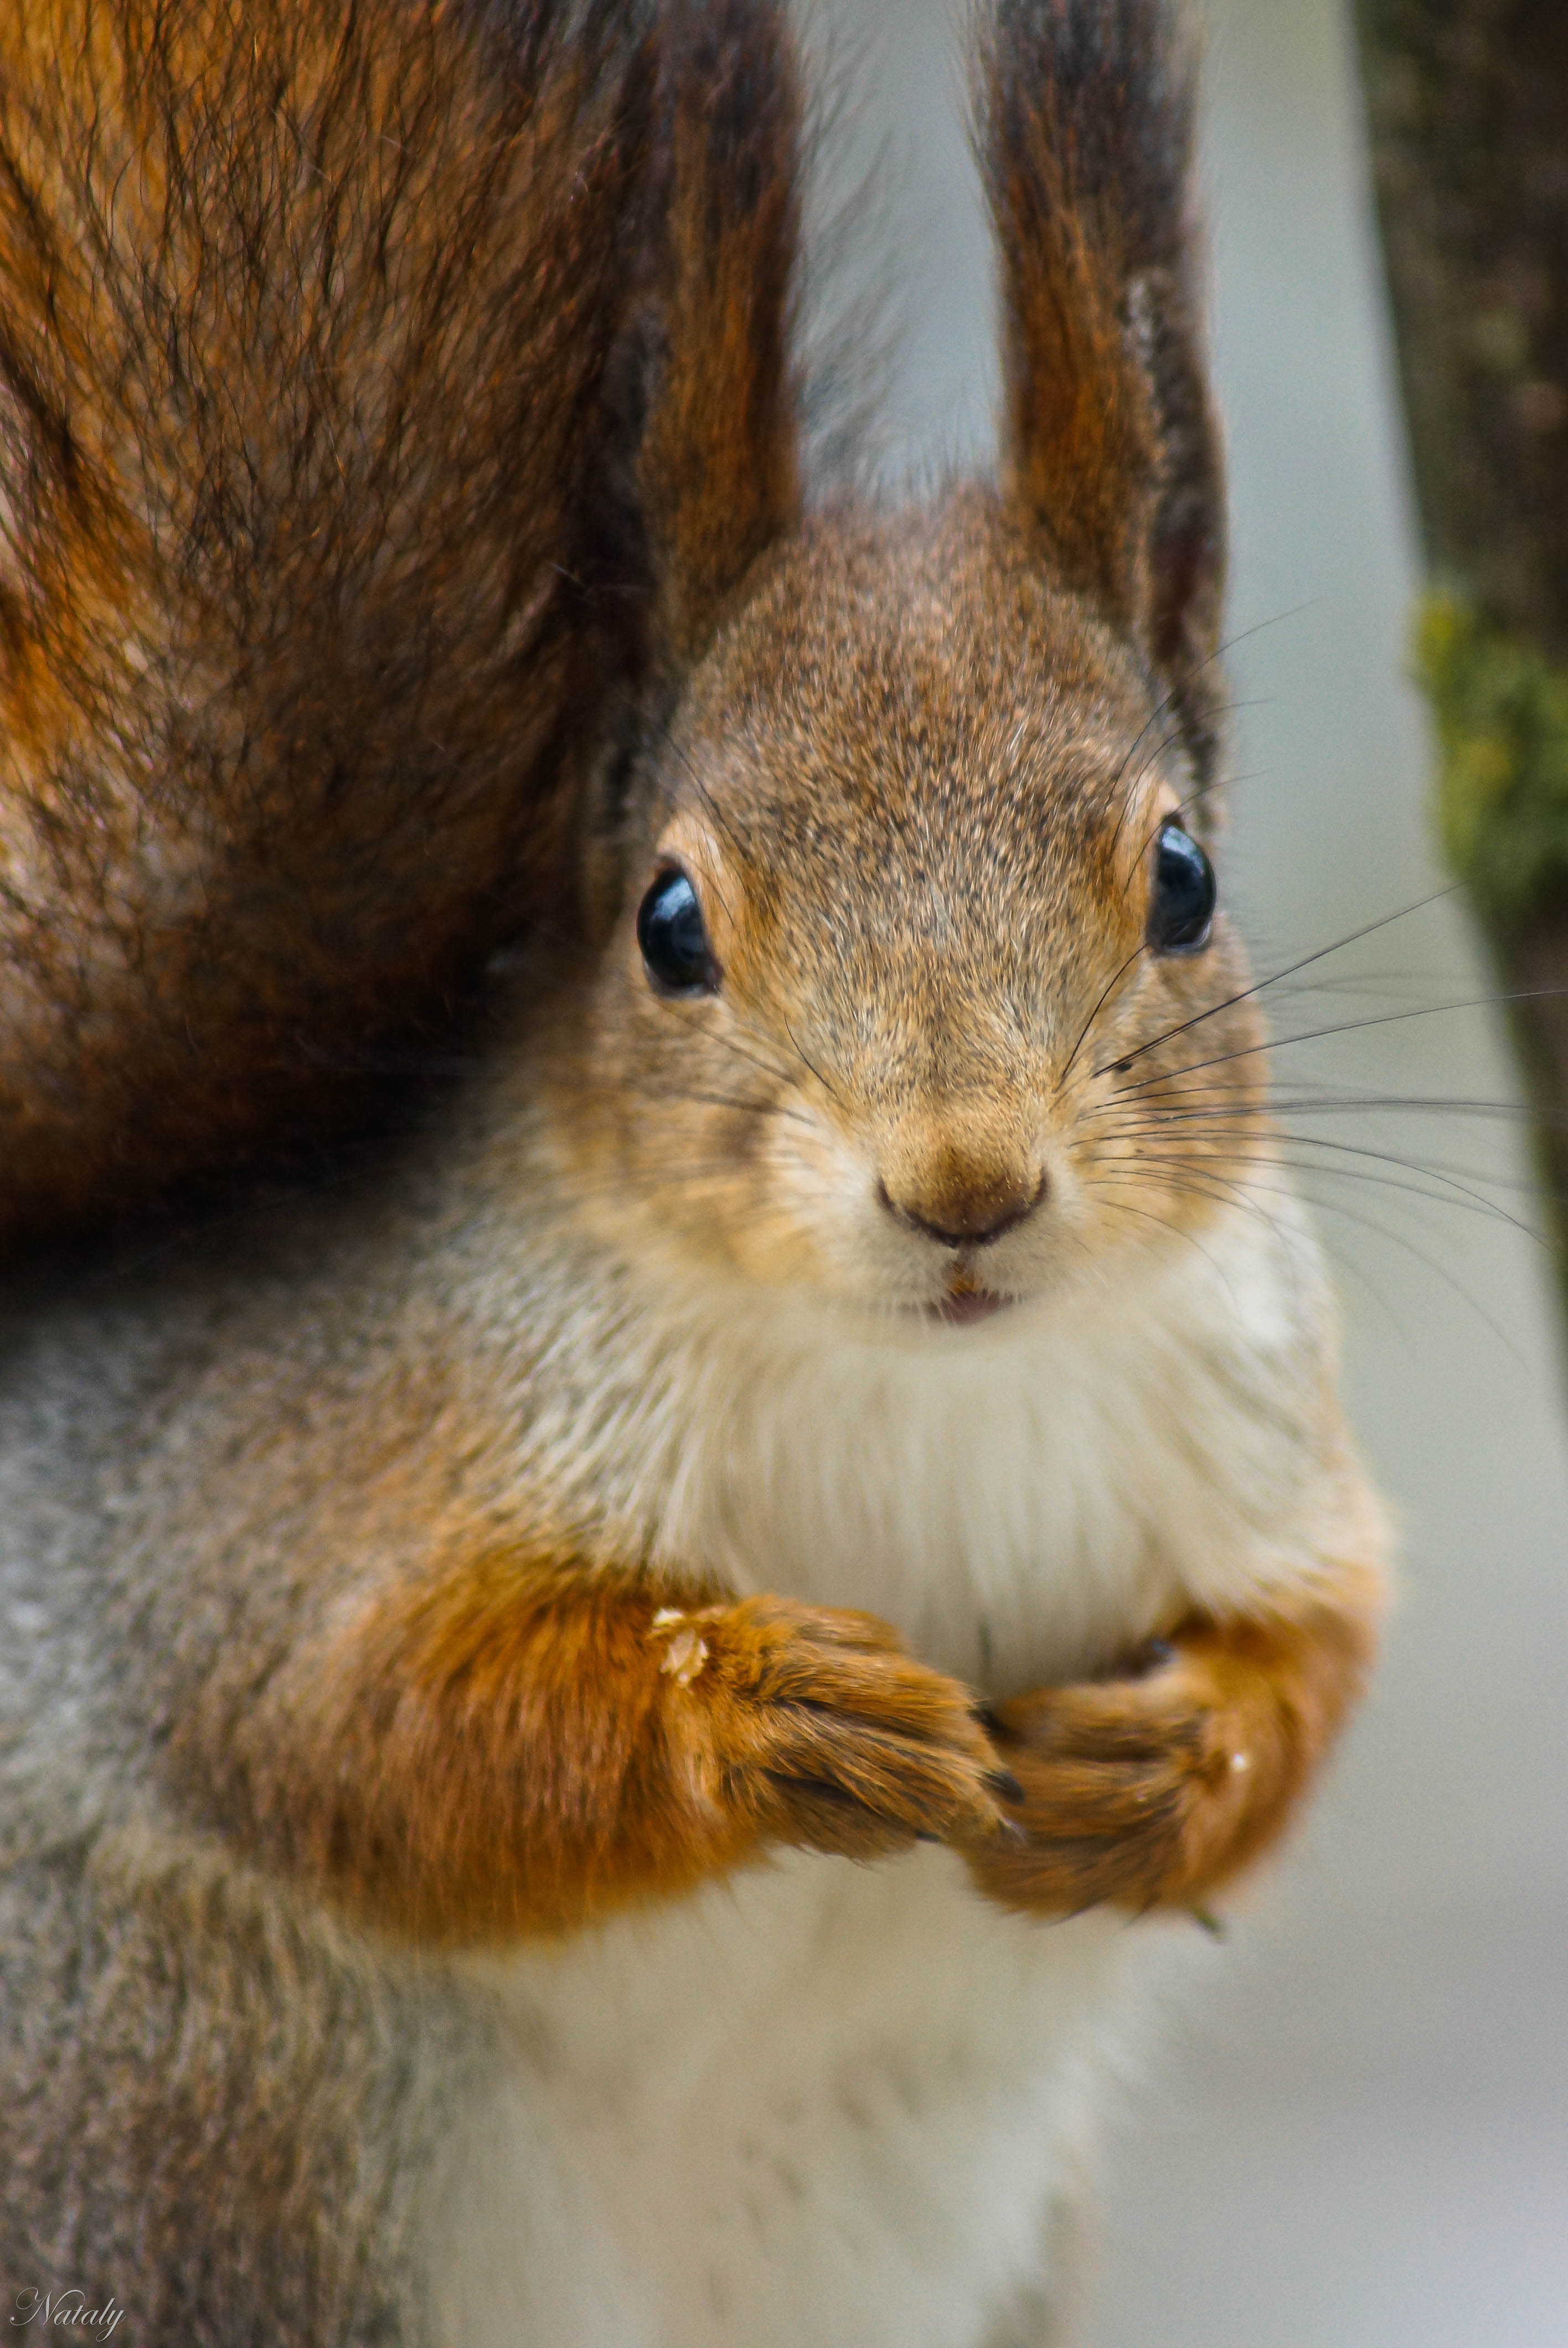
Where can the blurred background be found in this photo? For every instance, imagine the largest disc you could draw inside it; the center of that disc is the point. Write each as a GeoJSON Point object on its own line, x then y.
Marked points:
{"type": "Point", "coordinates": [1358, 2134]}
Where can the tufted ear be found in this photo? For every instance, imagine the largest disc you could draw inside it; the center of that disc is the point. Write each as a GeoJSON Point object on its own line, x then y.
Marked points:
{"type": "Point", "coordinates": [717, 466]}
{"type": "Point", "coordinates": [1084, 112]}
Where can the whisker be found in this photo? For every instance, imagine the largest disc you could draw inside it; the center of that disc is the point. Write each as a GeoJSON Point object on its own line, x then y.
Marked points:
{"type": "Point", "coordinates": [829, 1090]}
{"type": "Point", "coordinates": [1346, 1027]}
{"type": "Point", "coordinates": [1455, 1194]}
{"type": "Point", "coordinates": [1120, 1207]}
{"type": "Point", "coordinates": [1400, 1238]}
{"type": "Point", "coordinates": [1158, 751]}
{"type": "Point", "coordinates": [779, 1075]}
{"type": "Point", "coordinates": [1226, 709]}
{"type": "Point", "coordinates": [1125, 1059]}
{"type": "Point", "coordinates": [1454, 1191]}
{"type": "Point", "coordinates": [1326, 1103]}
{"type": "Point", "coordinates": [1083, 1031]}
{"type": "Point", "coordinates": [1461, 1190]}
{"type": "Point", "coordinates": [708, 800]}
{"type": "Point", "coordinates": [1193, 1186]}
{"type": "Point", "coordinates": [1190, 675]}
{"type": "Point", "coordinates": [717, 1100]}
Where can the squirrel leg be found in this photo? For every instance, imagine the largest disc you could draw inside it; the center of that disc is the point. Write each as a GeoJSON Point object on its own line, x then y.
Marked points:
{"type": "Point", "coordinates": [1154, 1789]}
{"type": "Point", "coordinates": [514, 1748]}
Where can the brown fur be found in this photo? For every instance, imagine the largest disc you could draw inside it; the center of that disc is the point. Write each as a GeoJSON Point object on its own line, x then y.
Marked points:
{"type": "Point", "coordinates": [914, 715]}
{"type": "Point", "coordinates": [304, 312]}
{"type": "Point", "coordinates": [718, 469]}
{"type": "Point", "coordinates": [1156, 1790]}
{"type": "Point", "coordinates": [1086, 132]}
{"type": "Point", "coordinates": [907, 731]}
{"type": "Point", "coordinates": [523, 1743]}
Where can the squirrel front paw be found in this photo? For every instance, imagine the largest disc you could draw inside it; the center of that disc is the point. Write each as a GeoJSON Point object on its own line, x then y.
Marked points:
{"type": "Point", "coordinates": [812, 1726]}
{"type": "Point", "coordinates": [1154, 1789]}
{"type": "Point", "coordinates": [1128, 1789]}
{"type": "Point", "coordinates": [526, 1746]}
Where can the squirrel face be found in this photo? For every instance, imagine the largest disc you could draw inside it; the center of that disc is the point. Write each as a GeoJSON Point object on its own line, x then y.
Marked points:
{"type": "Point", "coordinates": [918, 922]}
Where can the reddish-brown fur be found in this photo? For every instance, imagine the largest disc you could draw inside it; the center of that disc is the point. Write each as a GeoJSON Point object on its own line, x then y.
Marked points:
{"type": "Point", "coordinates": [526, 1743]}
{"type": "Point", "coordinates": [523, 1743]}
{"type": "Point", "coordinates": [1085, 142]}
{"type": "Point", "coordinates": [303, 316]}
{"type": "Point", "coordinates": [404, 555]}
{"type": "Point", "coordinates": [718, 471]}
{"type": "Point", "coordinates": [1155, 1790]}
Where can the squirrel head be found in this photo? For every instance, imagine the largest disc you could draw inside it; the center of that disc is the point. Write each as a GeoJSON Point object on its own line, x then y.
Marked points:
{"type": "Point", "coordinates": [318, 612]}
{"type": "Point", "coordinates": [912, 914]}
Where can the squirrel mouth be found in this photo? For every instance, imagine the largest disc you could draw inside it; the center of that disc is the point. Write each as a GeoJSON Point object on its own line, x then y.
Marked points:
{"type": "Point", "coordinates": [964, 1304]}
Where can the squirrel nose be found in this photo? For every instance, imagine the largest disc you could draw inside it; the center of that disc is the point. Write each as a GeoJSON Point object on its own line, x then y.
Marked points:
{"type": "Point", "coordinates": [969, 1209]}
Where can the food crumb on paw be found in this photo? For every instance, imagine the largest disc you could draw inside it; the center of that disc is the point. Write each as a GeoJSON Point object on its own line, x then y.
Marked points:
{"type": "Point", "coordinates": [686, 1652]}
{"type": "Point", "coordinates": [687, 1655]}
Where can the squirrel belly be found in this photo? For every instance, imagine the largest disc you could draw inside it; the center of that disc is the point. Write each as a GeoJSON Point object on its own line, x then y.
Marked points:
{"type": "Point", "coordinates": [822, 2104]}
{"type": "Point", "coordinates": [810, 2101]}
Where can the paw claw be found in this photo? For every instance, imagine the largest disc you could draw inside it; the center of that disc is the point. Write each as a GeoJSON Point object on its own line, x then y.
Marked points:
{"type": "Point", "coordinates": [986, 1717]}
{"type": "Point", "coordinates": [1153, 1656]}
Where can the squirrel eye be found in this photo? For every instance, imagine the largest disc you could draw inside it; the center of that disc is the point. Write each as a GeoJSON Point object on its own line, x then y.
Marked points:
{"type": "Point", "coordinates": [1181, 913]}
{"type": "Point", "coordinates": [674, 937]}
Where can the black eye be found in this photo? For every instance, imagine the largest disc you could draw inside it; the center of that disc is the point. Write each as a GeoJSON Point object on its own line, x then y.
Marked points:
{"type": "Point", "coordinates": [675, 938]}
{"type": "Point", "coordinates": [1183, 910]}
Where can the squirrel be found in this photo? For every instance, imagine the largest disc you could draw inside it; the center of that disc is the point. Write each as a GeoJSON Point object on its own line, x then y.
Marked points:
{"type": "Point", "coordinates": [833, 1372]}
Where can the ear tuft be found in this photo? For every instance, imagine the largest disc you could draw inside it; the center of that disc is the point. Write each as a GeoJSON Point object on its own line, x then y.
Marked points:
{"type": "Point", "coordinates": [1084, 113]}
{"type": "Point", "coordinates": [718, 467]}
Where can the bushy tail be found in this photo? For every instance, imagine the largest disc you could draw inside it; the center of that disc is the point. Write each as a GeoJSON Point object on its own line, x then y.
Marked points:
{"type": "Point", "coordinates": [303, 310]}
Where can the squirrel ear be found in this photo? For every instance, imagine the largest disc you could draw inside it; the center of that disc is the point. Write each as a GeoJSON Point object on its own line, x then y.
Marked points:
{"type": "Point", "coordinates": [718, 468]}
{"type": "Point", "coordinates": [1084, 113]}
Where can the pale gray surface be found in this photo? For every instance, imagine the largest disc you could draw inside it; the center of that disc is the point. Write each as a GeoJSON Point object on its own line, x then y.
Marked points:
{"type": "Point", "coordinates": [1361, 2138]}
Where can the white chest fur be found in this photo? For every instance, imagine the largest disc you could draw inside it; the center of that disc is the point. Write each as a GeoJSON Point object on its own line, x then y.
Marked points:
{"type": "Point", "coordinates": [830, 2107]}
{"type": "Point", "coordinates": [820, 2107]}
{"type": "Point", "coordinates": [1023, 1499]}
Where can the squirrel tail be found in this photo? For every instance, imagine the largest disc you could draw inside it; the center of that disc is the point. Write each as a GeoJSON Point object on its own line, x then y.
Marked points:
{"type": "Point", "coordinates": [305, 312]}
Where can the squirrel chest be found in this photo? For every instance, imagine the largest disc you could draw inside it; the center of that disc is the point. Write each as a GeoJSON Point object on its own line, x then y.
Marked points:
{"type": "Point", "coordinates": [748, 2118]}
{"type": "Point", "coordinates": [1025, 1499]}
